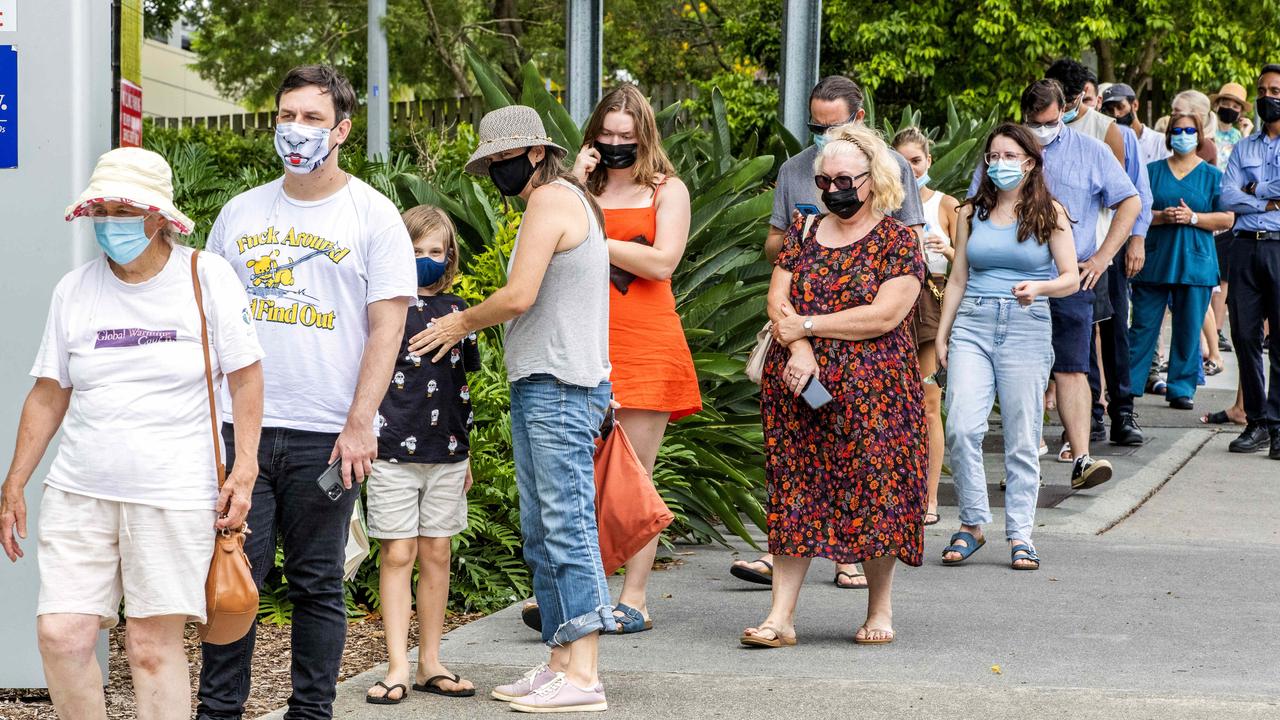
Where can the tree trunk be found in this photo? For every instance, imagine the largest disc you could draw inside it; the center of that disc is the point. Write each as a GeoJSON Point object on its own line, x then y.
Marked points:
{"type": "Point", "coordinates": [511, 28]}
{"type": "Point", "coordinates": [1106, 61]}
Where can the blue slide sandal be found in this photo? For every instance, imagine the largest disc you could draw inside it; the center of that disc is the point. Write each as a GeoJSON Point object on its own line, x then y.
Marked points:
{"type": "Point", "coordinates": [970, 547]}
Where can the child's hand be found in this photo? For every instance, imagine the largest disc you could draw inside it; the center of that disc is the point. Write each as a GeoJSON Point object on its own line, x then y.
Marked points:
{"type": "Point", "coordinates": [466, 487]}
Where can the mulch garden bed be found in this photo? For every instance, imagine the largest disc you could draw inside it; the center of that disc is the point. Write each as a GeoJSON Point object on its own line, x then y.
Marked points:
{"type": "Point", "coordinates": [271, 684]}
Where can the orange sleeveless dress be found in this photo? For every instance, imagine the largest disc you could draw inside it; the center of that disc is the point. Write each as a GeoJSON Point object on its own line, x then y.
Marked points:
{"type": "Point", "coordinates": [652, 366]}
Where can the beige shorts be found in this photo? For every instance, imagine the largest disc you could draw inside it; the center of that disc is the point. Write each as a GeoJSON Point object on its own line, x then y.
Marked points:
{"type": "Point", "coordinates": [407, 500]}
{"type": "Point", "coordinates": [93, 553]}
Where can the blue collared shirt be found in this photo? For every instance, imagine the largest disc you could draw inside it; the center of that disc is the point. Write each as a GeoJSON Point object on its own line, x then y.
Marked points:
{"type": "Point", "coordinates": [1084, 176]}
{"type": "Point", "coordinates": [1254, 159]}
{"type": "Point", "coordinates": [1136, 169]}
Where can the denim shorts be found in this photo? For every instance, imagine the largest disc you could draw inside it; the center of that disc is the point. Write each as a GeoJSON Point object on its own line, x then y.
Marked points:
{"type": "Point", "coordinates": [1072, 332]}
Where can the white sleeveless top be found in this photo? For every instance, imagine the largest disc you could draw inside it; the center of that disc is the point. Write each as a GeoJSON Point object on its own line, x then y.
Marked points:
{"type": "Point", "coordinates": [936, 262]}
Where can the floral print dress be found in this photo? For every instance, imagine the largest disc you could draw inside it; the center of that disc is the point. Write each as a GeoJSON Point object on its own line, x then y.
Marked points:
{"type": "Point", "coordinates": [847, 481]}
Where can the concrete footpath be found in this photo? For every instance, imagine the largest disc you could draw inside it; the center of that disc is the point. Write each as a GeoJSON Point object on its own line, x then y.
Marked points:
{"type": "Point", "coordinates": [1159, 597]}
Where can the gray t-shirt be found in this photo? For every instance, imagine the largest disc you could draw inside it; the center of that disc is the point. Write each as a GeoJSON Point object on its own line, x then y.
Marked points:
{"type": "Point", "coordinates": [795, 187]}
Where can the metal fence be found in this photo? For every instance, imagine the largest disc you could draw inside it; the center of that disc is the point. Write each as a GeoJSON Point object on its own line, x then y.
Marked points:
{"type": "Point", "coordinates": [444, 113]}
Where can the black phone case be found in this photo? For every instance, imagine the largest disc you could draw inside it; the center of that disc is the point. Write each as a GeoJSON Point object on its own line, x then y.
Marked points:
{"type": "Point", "coordinates": [815, 394]}
{"type": "Point", "coordinates": [330, 481]}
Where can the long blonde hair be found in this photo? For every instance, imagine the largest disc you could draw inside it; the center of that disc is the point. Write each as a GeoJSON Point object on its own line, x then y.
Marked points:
{"type": "Point", "coordinates": [886, 176]}
{"type": "Point", "coordinates": [651, 158]}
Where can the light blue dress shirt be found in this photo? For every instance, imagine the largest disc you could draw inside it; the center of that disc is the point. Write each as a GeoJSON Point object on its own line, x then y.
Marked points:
{"type": "Point", "coordinates": [1254, 159]}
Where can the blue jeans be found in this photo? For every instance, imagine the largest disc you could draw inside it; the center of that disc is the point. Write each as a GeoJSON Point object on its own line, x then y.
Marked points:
{"type": "Point", "coordinates": [998, 349]}
{"type": "Point", "coordinates": [313, 530]}
{"type": "Point", "coordinates": [554, 426]}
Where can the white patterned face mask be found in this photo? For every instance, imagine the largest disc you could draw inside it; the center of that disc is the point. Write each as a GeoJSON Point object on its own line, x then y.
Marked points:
{"type": "Point", "coordinates": [303, 148]}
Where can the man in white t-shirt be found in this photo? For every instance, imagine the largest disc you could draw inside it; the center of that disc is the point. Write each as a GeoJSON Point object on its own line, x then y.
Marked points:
{"type": "Point", "coordinates": [1121, 102]}
{"type": "Point", "coordinates": [330, 272]}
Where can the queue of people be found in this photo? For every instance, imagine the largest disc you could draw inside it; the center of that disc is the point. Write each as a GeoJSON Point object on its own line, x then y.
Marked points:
{"type": "Point", "coordinates": [881, 285]}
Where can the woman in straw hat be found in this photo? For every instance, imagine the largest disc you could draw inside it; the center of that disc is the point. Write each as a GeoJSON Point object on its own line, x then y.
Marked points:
{"type": "Point", "coordinates": [131, 500]}
{"type": "Point", "coordinates": [556, 309]}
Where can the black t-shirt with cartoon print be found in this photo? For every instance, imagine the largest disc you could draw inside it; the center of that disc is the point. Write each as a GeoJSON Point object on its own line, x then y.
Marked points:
{"type": "Point", "coordinates": [426, 414]}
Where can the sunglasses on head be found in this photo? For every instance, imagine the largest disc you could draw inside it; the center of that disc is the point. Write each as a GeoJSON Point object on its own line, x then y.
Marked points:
{"type": "Point", "coordinates": [1182, 131]}
{"type": "Point", "coordinates": [841, 182]}
{"type": "Point", "coordinates": [817, 129]}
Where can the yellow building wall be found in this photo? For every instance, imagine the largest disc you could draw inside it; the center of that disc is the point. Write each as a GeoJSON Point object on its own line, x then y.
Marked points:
{"type": "Point", "coordinates": [170, 88]}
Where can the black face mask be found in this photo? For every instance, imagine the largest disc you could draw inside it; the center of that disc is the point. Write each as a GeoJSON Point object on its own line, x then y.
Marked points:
{"type": "Point", "coordinates": [511, 175]}
{"type": "Point", "coordinates": [616, 157]}
{"type": "Point", "coordinates": [1228, 116]}
{"type": "Point", "coordinates": [1269, 109]}
{"type": "Point", "coordinates": [1125, 120]}
{"type": "Point", "coordinates": [844, 203]}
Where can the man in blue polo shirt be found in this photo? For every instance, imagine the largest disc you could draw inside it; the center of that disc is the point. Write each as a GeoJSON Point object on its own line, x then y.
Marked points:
{"type": "Point", "coordinates": [1251, 189]}
{"type": "Point", "coordinates": [1084, 176]}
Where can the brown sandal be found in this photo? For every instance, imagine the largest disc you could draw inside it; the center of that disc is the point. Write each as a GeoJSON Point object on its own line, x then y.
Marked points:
{"type": "Point", "coordinates": [755, 639]}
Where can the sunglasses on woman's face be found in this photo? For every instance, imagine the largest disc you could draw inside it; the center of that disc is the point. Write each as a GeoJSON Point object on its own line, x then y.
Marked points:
{"type": "Point", "coordinates": [841, 182]}
{"type": "Point", "coordinates": [1182, 131]}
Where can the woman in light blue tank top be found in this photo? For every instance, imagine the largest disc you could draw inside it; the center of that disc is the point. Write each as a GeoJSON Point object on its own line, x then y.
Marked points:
{"type": "Point", "coordinates": [1014, 250]}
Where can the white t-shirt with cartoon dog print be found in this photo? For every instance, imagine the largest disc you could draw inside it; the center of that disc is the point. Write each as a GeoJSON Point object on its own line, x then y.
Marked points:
{"type": "Point", "coordinates": [311, 269]}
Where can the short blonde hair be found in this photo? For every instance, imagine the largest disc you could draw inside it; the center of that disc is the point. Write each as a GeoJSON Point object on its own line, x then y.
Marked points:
{"type": "Point", "coordinates": [886, 176]}
{"type": "Point", "coordinates": [1199, 103]}
{"type": "Point", "coordinates": [424, 220]}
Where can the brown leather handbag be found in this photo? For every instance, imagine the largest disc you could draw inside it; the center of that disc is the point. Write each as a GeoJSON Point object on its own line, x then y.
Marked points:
{"type": "Point", "coordinates": [230, 595]}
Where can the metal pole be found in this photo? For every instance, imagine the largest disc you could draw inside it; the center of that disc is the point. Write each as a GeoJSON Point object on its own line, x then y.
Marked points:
{"type": "Point", "coordinates": [583, 56]}
{"type": "Point", "coordinates": [801, 43]}
{"type": "Point", "coordinates": [379, 108]}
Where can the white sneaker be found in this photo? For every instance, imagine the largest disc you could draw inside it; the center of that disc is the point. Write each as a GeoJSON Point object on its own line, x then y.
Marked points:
{"type": "Point", "coordinates": [531, 681]}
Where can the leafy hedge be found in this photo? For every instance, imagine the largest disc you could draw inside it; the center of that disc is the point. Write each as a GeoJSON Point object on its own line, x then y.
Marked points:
{"type": "Point", "coordinates": [710, 467]}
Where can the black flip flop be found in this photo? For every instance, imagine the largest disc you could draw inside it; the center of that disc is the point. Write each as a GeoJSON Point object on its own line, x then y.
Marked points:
{"type": "Point", "coordinates": [531, 615]}
{"type": "Point", "coordinates": [1218, 417]}
{"type": "Point", "coordinates": [936, 518]}
{"type": "Point", "coordinates": [753, 576]}
{"type": "Point", "coordinates": [432, 685]}
{"type": "Point", "coordinates": [851, 576]}
{"type": "Point", "coordinates": [387, 699]}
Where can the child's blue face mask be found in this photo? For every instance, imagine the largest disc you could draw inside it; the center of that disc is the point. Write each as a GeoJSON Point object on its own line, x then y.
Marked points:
{"type": "Point", "coordinates": [429, 271]}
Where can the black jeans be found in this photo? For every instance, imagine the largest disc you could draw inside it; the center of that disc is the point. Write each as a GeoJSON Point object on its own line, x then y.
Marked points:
{"type": "Point", "coordinates": [1114, 336]}
{"type": "Point", "coordinates": [313, 529]}
{"type": "Point", "coordinates": [1254, 296]}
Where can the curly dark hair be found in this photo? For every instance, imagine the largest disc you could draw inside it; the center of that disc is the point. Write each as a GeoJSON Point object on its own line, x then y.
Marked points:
{"type": "Point", "coordinates": [1071, 75]}
{"type": "Point", "coordinates": [1036, 210]}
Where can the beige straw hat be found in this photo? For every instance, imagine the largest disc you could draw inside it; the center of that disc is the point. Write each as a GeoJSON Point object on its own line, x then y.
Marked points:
{"type": "Point", "coordinates": [136, 177]}
{"type": "Point", "coordinates": [1235, 91]}
{"type": "Point", "coordinates": [514, 126]}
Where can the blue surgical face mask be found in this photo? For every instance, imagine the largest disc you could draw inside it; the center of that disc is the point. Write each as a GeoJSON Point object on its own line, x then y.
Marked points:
{"type": "Point", "coordinates": [429, 271]}
{"type": "Point", "coordinates": [1069, 116]}
{"type": "Point", "coordinates": [922, 181]}
{"type": "Point", "coordinates": [303, 148]}
{"type": "Point", "coordinates": [819, 141]}
{"type": "Point", "coordinates": [1006, 174]}
{"type": "Point", "coordinates": [122, 238]}
{"type": "Point", "coordinates": [1184, 144]}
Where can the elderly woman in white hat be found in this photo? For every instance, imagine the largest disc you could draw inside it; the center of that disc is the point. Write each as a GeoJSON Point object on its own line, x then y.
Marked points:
{"type": "Point", "coordinates": [131, 501]}
{"type": "Point", "coordinates": [556, 309]}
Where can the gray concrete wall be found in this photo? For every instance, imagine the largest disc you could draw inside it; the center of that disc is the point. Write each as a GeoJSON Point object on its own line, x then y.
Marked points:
{"type": "Point", "coordinates": [64, 123]}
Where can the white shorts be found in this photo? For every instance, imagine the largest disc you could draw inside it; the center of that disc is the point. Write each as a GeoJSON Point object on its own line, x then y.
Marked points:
{"type": "Point", "coordinates": [93, 553]}
{"type": "Point", "coordinates": [407, 500]}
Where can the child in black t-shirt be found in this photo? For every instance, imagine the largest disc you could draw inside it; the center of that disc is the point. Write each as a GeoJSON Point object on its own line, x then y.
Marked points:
{"type": "Point", "coordinates": [417, 495]}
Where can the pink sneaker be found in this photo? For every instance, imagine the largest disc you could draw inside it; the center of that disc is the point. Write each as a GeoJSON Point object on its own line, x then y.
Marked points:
{"type": "Point", "coordinates": [559, 695]}
{"type": "Point", "coordinates": [532, 680]}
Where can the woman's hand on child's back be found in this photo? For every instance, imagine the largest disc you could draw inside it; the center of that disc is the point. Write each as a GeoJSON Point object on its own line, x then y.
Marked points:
{"type": "Point", "coordinates": [441, 335]}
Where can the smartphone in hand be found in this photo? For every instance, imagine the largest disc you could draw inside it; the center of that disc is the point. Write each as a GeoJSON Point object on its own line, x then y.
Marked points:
{"type": "Point", "coordinates": [330, 481]}
{"type": "Point", "coordinates": [815, 394]}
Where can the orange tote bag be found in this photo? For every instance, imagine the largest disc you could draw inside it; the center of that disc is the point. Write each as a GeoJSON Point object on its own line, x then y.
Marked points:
{"type": "Point", "coordinates": [629, 510]}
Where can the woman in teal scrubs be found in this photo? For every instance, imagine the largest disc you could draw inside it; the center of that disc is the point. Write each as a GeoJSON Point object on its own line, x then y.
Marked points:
{"type": "Point", "coordinates": [1181, 266]}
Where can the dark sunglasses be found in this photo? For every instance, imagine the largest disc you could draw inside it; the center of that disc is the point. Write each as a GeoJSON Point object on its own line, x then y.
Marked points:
{"type": "Point", "coordinates": [841, 182]}
{"type": "Point", "coordinates": [817, 129]}
{"type": "Point", "coordinates": [1182, 131]}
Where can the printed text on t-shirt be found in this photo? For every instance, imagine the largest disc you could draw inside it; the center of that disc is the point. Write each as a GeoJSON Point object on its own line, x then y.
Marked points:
{"type": "Point", "coordinates": [272, 279]}
{"type": "Point", "coordinates": [133, 337]}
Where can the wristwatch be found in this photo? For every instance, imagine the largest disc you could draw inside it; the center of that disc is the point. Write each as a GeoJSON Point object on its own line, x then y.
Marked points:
{"type": "Point", "coordinates": [1195, 219]}
{"type": "Point", "coordinates": [808, 327]}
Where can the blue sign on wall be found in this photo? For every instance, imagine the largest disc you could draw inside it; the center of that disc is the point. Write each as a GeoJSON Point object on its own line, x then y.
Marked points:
{"type": "Point", "coordinates": [8, 106]}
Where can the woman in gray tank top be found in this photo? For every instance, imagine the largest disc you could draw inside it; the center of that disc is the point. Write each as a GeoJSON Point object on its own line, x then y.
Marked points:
{"type": "Point", "coordinates": [556, 309]}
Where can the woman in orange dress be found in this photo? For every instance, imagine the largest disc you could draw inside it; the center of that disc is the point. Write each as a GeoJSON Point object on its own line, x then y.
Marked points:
{"type": "Point", "coordinates": [646, 218]}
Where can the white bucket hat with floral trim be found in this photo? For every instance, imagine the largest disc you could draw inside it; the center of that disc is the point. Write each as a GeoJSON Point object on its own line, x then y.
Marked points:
{"type": "Point", "coordinates": [508, 128]}
{"type": "Point", "coordinates": [136, 177]}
